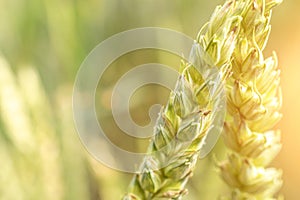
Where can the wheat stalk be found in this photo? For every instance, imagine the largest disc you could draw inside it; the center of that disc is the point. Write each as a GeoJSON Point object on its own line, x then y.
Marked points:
{"type": "Point", "coordinates": [182, 125]}
{"type": "Point", "coordinates": [253, 101]}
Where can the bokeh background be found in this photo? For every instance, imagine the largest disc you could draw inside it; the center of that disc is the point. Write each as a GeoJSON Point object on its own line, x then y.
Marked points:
{"type": "Point", "coordinates": [42, 44]}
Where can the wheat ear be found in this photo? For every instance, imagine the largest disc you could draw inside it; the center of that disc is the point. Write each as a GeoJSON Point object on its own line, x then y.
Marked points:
{"type": "Point", "coordinates": [253, 101]}
{"type": "Point", "coordinates": [182, 125]}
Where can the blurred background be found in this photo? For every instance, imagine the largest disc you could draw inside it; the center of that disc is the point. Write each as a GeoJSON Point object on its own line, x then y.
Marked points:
{"type": "Point", "coordinates": [43, 43]}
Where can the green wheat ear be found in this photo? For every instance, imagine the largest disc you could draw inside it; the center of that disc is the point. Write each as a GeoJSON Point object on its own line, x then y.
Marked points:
{"type": "Point", "coordinates": [180, 132]}
{"type": "Point", "coordinates": [253, 102]}
{"type": "Point", "coordinates": [182, 125]}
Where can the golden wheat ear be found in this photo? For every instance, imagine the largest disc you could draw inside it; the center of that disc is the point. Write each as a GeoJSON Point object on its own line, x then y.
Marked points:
{"type": "Point", "coordinates": [253, 103]}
